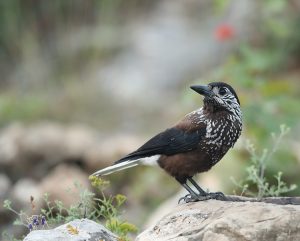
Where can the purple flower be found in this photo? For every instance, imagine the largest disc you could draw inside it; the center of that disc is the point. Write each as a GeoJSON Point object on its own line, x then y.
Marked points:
{"type": "Point", "coordinates": [43, 220]}
{"type": "Point", "coordinates": [35, 221]}
{"type": "Point", "coordinates": [30, 227]}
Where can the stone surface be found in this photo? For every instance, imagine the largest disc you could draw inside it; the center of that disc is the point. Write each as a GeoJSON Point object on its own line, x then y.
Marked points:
{"type": "Point", "coordinates": [9, 144]}
{"type": "Point", "coordinates": [34, 150]}
{"type": "Point", "coordinates": [60, 184]}
{"type": "Point", "coordinates": [227, 221]}
{"type": "Point", "coordinates": [5, 185]}
{"type": "Point", "coordinates": [76, 230]}
{"type": "Point", "coordinates": [110, 149]}
{"type": "Point", "coordinates": [22, 191]}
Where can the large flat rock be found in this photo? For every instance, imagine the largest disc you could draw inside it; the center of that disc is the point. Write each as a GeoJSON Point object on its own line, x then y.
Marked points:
{"type": "Point", "coordinates": [76, 230]}
{"type": "Point", "coordinates": [227, 221]}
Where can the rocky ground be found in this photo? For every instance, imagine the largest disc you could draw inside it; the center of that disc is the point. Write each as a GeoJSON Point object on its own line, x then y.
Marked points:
{"type": "Point", "coordinates": [76, 230]}
{"type": "Point", "coordinates": [227, 221]}
{"type": "Point", "coordinates": [210, 220]}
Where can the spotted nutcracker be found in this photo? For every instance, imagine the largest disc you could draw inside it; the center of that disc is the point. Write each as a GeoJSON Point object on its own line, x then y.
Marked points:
{"type": "Point", "coordinates": [194, 144]}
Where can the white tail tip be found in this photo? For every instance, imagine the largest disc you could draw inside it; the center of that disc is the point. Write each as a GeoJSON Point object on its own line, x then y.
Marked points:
{"type": "Point", "coordinates": [116, 168]}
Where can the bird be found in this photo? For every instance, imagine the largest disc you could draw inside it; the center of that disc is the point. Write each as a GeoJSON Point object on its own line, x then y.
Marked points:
{"type": "Point", "coordinates": [194, 144]}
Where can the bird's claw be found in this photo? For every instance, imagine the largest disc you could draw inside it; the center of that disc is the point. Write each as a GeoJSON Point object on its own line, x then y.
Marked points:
{"type": "Point", "coordinates": [212, 195]}
{"type": "Point", "coordinates": [184, 198]}
{"type": "Point", "coordinates": [189, 198]}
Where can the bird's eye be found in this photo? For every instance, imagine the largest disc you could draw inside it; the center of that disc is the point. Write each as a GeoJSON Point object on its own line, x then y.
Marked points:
{"type": "Point", "coordinates": [222, 91]}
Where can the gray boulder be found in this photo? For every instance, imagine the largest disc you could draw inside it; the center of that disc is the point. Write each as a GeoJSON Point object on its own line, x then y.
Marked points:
{"type": "Point", "coordinates": [227, 221]}
{"type": "Point", "coordinates": [5, 185]}
{"type": "Point", "coordinates": [76, 230]}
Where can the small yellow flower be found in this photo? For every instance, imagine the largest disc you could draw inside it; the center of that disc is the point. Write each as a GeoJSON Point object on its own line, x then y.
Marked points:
{"type": "Point", "coordinates": [72, 230]}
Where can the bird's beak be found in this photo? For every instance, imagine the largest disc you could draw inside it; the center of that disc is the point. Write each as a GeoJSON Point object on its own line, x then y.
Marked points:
{"type": "Point", "coordinates": [203, 90]}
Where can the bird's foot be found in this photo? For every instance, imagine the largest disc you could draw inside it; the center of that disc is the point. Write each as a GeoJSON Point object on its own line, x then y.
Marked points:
{"type": "Point", "coordinates": [211, 195]}
{"type": "Point", "coordinates": [189, 198]}
{"type": "Point", "coordinates": [184, 198]}
{"type": "Point", "coordinates": [217, 196]}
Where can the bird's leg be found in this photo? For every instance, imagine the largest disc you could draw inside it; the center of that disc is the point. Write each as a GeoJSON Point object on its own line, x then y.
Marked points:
{"type": "Point", "coordinates": [199, 189]}
{"type": "Point", "coordinates": [210, 195]}
{"type": "Point", "coordinates": [192, 196]}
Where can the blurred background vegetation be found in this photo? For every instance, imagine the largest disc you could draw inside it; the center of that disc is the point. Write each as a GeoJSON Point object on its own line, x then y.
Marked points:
{"type": "Point", "coordinates": [126, 66]}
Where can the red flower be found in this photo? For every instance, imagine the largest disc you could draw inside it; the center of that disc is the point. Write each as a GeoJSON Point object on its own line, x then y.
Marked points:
{"type": "Point", "coordinates": [224, 32]}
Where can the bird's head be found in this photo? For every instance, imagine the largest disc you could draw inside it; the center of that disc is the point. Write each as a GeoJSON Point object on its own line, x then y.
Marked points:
{"type": "Point", "coordinates": [219, 95]}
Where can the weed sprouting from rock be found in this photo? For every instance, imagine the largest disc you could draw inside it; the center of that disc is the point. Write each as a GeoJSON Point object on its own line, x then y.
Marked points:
{"type": "Point", "coordinates": [256, 171]}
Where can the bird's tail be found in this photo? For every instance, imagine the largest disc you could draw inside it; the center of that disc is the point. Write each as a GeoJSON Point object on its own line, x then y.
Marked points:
{"type": "Point", "coordinates": [117, 167]}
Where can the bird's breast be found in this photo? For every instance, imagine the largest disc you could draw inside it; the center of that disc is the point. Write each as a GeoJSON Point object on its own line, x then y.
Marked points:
{"type": "Point", "coordinates": [222, 132]}
{"type": "Point", "coordinates": [221, 135]}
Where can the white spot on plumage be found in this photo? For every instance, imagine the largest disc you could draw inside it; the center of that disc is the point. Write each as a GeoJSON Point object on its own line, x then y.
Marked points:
{"type": "Point", "coordinates": [151, 160]}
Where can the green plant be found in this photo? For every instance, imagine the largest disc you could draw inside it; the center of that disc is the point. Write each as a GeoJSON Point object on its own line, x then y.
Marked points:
{"type": "Point", "coordinates": [256, 171]}
{"type": "Point", "coordinates": [8, 237]}
{"type": "Point", "coordinates": [89, 206]}
{"type": "Point", "coordinates": [109, 209]}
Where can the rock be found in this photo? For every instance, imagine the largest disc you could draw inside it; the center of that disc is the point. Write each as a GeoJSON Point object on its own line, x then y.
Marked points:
{"type": "Point", "coordinates": [5, 185]}
{"type": "Point", "coordinates": [53, 143]}
{"type": "Point", "coordinates": [22, 192]}
{"type": "Point", "coordinates": [111, 149]}
{"type": "Point", "coordinates": [227, 221]}
{"type": "Point", "coordinates": [78, 139]}
{"type": "Point", "coordinates": [9, 143]}
{"type": "Point", "coordinates": [76, 230]}
{"type": "Point", "coordinates": [33, 150]}
{"type": "Point", "coordinates": [60, 184]}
